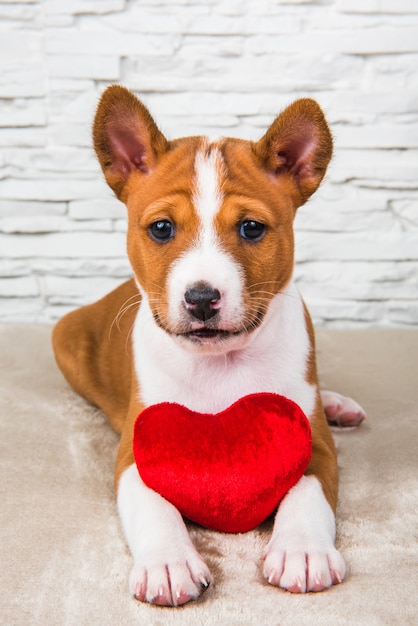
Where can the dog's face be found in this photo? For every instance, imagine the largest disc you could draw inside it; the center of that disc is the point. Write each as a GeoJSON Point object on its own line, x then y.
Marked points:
{"type": "Point", "coordinates": [210, 233]}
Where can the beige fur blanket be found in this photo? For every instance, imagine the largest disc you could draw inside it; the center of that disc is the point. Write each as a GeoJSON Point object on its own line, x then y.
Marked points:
{"type": "Point", "coordinates": [63, 558]}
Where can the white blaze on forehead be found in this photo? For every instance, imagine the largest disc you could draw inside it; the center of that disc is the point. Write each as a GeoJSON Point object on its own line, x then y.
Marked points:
{"type": "Point", "coordinates": [208, 196]}
{"type": "Point", "coordinates": [204, 258]}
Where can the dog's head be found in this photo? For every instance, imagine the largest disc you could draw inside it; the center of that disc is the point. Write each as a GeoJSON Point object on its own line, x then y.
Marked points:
{"type": "Point", "coordinates": [210, 231]}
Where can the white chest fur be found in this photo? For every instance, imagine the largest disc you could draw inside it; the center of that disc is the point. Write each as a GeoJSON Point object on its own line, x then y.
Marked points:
{"type": "Point", "coordinates": [274, 359]}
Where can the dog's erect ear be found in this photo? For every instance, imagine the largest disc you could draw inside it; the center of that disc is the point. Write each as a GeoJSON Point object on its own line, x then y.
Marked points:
{"type": "Point", "coordinates": [126, 138]}
{"type": "Point", "coordinates": [298, 144]}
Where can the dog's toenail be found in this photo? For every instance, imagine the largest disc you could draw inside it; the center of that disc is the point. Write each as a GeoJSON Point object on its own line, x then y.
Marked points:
{"type": "Point", "coordinates": [204, 584]}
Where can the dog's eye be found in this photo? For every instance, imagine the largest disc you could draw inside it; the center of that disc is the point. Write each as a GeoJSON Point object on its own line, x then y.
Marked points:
{"type": "Point", "coordinates": [252, 230]}
{"type": "Point", "coordinates": [161, 231]}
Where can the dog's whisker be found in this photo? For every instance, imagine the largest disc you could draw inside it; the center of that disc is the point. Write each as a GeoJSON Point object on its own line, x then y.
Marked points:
{"type": "Point", "coordinates": [263, 282]}
{"type": "Point", "coordinates": [123, 309]}
{"type": "Point", "coordinates": [273, 294]}
{"type": "Point", "coordinates": [128, 337]}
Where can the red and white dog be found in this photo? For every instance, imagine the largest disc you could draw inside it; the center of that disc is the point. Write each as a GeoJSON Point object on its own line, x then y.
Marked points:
{"type": "Point", "coordinates": [211, 315]}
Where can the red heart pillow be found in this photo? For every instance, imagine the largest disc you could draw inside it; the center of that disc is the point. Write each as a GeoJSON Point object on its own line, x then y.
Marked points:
{"type": "Point", "coordinates": [226, 471]}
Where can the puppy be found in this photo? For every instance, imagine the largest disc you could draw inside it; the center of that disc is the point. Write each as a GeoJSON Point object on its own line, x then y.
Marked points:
{"type": "Point", "coordinates": [212, 314]}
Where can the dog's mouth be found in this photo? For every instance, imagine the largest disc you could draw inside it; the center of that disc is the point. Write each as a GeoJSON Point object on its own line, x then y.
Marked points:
{"type": "Point", "coordinates": [211, 335]}
{"type": "Point", "coordinates": [208, 335]}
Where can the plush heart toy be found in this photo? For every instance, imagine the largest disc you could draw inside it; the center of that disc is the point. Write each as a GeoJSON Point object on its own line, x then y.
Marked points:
{"type": "Point", "coordinates": [226, 471]}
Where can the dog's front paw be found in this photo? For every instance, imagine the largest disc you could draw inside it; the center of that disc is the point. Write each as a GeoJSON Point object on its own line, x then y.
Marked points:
{"type": "Point", "coordinates": [301, 555]}
{"type": "Point", "coordinates": [168, 569]}
{"type": "Point", "coordinates": [341, 410]}
{"type": "Point", "coordinates": [169, 580]}
{"type": "Point", "coordinates": [300, 568]}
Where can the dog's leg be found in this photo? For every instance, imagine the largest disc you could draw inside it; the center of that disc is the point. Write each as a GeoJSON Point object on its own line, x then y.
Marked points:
{"type": "Point", "coordinates": [301, 555]}
{"type": "Point", "coordinates": [341, 410]}
{"type": "Point", "coordinates": [167, 568]}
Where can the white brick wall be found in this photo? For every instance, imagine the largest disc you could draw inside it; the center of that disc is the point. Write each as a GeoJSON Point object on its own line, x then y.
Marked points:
{"type": "Point", "coordinates": [217, 67]}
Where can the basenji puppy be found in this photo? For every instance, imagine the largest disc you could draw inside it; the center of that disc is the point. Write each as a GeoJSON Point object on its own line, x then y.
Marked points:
{"type": "Point", "coordinates": [212, 314]}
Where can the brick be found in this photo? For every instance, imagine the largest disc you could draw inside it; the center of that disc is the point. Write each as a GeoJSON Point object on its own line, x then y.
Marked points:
{"type": "Point", "coordinates": [231, 8]}
{"type": "Point", "coordinates": [92, 267]}
{"type": "Point", "coordinates": [341, 313]}
{"type": "Point", "coordinates": [303, 2]}
{"type": "Point", "coordinates": [22, 12]}
{"type": "Point", "coordinates": [376, 136]}
{"type": "Point", "coordinates": [20, 47]}
{"type": "Point", "coordinates": [389, 184]}
{"type": "Point", "coordinates": [12, 268]}
{"type": "Point", "coordinates": [50, 189]}
{"type": "Point", "coordinates": [358, 290]}
{"type": "Point", "coordinates": [73, 105]}
{"type": "Point", "coordinates": [344, 199]}
{"type": "Point", "coordinates": [42, 224]}
{"type": "Point", "coordinates": [20, 80]}
{"type": "Point", "coordinates": [20, 287]}
{"type": "Point", "coordinates": [383, 165]}
{"type": "Point", "coordinates": [23, 137]}
{"type": "Point", "coordinates": [22, 112]}
{"type": "Point", "coordinates": [98, 67]}
{"type": "Point", "coordinates": [52, 313]}
{"type": "Point", "coordinates": [398, 313]}
{"type": "Point", "coordinates": [370, 246]}
{"type": "Point", "coordinates": [326, 219]}
{"type": "Point", "coordinates": [387, 273]}
{"type": "Point", "coordinates": [63, 245]}
{"type": "Point", "coordinates": [407, 212]}
{"type": "Point", "coordinates": [377, 6]}
{"type": "Point", "coordinates": [59, 20]}
{"type": "Point", "coordinates": [389, 74]}
{"type": "Point", "coordinates": [97, 209]}
{"type": "Point", "coordinates": [376, 41]}
{"type": "Point", "coordinates": [226, 71]}
{"type": "Point", "coordinates": [77, 290]}
{"type": "Point", "coordinates": [71, 86]}
{"type": "Point", "coordinates": [217, 25]}
{"type": "Point", "coordinates": [12, 208]}
{"type": "Point", "coordinates": [201, 49]}
{"type": "Point", "coordinates": [123, 43]}
{"type": "Point", "coordinates": [55, 159]}
{"type": "Point", "coordinates": [189, 103]}
{"type": "Point", "coordinates": [30, 309]}
{"type": "Point", "coordinates": [358, 107]}
{"type": "Point", "coordinates": [79, 7]}
{"type": "Point", "coordinates": [284, 7]}
{"type": "Point", "coordinates": [69, 134]}
{"type": "Point", "coordinates": [121, 226]}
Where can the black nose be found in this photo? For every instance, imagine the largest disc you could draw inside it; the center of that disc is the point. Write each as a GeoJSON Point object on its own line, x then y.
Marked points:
{"type": "Point", "coordinates": [201, 301]}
